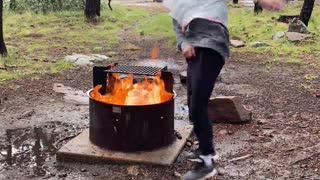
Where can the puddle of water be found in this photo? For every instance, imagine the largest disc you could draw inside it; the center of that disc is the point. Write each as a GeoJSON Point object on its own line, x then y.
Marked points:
{"type": "Point", "coordinates": [30, 148]}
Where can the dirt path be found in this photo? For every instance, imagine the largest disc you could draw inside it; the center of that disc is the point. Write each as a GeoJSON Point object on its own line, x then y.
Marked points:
{"type": "Point", "coordinates": [279, 144]}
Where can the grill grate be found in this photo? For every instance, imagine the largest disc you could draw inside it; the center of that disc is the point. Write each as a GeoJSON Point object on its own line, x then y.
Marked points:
{"type": "Point", "coordinates": [139, 70]}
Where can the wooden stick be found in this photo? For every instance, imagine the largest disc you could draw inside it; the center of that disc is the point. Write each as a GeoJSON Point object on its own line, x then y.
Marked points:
{"type": "Point", "coordinates": [241, 158]}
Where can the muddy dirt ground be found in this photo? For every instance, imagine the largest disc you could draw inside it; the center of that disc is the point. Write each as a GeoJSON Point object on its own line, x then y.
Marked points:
{"type": "Point", "coordinates": [282, 141]}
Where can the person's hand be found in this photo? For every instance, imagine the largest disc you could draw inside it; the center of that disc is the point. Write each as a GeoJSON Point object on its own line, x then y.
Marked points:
{"type": "Point", "coordinates": [188, 52]}
{"type": "Point", "coordinates": [272, 5]}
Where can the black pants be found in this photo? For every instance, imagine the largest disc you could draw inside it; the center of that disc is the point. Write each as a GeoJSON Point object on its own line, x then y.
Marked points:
{"type": "Point", "coordinates": [203, 71]}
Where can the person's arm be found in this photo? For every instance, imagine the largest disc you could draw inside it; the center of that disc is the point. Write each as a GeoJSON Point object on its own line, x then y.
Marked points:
{"type": "Point", "coordinates": [272, 5]}
{"type": "Point", "coordinates": [183, 45]}
{"type": "Point", "coordinates": [181, 40]}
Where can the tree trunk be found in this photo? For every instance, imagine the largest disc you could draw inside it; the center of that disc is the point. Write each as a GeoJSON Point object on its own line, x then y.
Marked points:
{"type": "Point", "coordinates": [3, 49]}
{"type": "Point", "coordinates": [306, 11]}
{"type": "Point", "coordinates": [92, 10]}
{"type": "Point", "coordinates": [257, 8]}
{"type": "Point", "coordinates": [235, 1]}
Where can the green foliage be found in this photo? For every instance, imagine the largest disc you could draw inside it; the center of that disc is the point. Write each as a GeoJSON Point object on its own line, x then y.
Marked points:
{"type": "Point", "coordinates": [38, 43]}
{"type": "Point", "coordinates": [44, 6]}
{"type": "Point", "coordinates": [159, 27]}
{"type": "Point", "coordinates": [249, 28]}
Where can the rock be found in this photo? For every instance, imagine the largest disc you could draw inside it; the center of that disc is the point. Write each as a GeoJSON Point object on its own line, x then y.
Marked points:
{"type": "Point", "coordinates": [189, 144]}
{"type": "Point", "coordinates": [95, 174]}
{"type": "Point", "coordinates": [60, 88]}
{"type": "Point", "coordinates": [176, 174]}
{"type": "Point", "coordinates": [76, 99]}
{"type": "Point", "coordinates": [26, 114]}
{"type": "Point", "coordinates": [258, 44]}
{"type": "Point", "coordinates": [71, 95]}
{"type": "Point", "coordinates": [3, 110]}
{"type": "Point", "coordinates": [62, 175]}
{"type": "Point", "coordinates": [221, 171]}
{"type": "Point", "coordinates": [99, 57]}
{"type": "Point", "coordinates": [268, 134]}
{"type": "Point", "coordinates": [278, 35]}
{"type": "Point", "coordinates": [130, 47]}
{"type": "Point", "coordinates": [223, 132]}
{"type": "Point", "coordinates": [133, 170]}
{"type": "Point", "coordinates": [237, 43]}
{"type": "Point", "coordinates": [286, 18]}
{"type": "Point", "coordinates": [177, 134]}
{"type": "Point", "coordinates": [228, 109]}
{"type": "Point", "coordinates": [294, 36]}
{"type": "Point", "coordinates": [111, 53]}
{"type": "Point", "coordinates": [183, 77]}
{"type": "Point", "coordinates": [297, 26]}
{"type": "Point", "coordinates": [261, 121]}
{"type": "Point", "coordinates": [83, 170]}
{"type": "Point", "coordinates": [81, 59]}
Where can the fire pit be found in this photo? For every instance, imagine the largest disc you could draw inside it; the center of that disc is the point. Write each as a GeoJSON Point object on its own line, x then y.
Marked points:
{"type": "Point", "coordinates": [129, 124]}
{"type": "Point", "coordinates": [124, 128]}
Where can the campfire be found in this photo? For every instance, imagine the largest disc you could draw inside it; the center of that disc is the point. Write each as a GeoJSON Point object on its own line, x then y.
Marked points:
{"type": "Point", "coordinates": [151, 90]}
{"type": "Point", "coordinates": [125, 91]}
{"type": "Point", "coordinates": [132, 107]}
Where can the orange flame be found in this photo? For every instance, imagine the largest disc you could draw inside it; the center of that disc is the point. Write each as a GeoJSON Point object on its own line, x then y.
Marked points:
{"type": "Point", "coordinates": [125, 92]}
{"type": "Point", "coordinates": [154, 54]}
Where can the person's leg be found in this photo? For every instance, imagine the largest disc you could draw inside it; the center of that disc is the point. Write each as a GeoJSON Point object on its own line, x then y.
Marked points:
{"type": "Point", "coordinates": [205, 68]}
{"type": "Point", "coordinates": [189, 90]}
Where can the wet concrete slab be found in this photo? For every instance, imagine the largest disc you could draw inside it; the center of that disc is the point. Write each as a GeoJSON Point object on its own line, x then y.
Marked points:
{"type": "Point", "coordinates": [80, 149]}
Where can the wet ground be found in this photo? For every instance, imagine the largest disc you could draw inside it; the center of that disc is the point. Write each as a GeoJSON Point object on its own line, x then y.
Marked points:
{"type": "Point", "coordinates": [36, 122]}
{"type": "Point", "coordinates": [280, 143]}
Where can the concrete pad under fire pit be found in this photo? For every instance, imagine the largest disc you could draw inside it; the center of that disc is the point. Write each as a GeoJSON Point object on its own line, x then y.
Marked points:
{"type": "Point", "coordinates": [80, 149]}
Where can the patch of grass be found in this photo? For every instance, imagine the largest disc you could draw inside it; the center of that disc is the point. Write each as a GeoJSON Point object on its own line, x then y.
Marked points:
{"type": "Point", "coordinates": [49, 38]}
{"type": "Point", "coordinates": [14, 64]}
{"type": "Point", "coordinates": [160, 25]}
{"type": "Point", "coordinates": [271, 61]}
{"type": "Point", "coordinates": [294, 61]}
{"type": "Point", "coordinates": [249, 28]}
{"type": "Point", "coordinates": [60, 66]}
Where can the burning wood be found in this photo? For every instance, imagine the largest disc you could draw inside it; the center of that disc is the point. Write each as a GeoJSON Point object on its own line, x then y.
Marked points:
{"type": "Point", "coordinates": [123, 91]}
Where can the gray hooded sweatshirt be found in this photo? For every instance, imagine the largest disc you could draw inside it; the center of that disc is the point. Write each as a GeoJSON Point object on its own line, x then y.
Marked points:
{"type": "Point", "coordinates": [205, 22]}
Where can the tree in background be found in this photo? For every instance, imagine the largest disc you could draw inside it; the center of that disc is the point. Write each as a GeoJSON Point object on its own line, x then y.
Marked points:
{"type": "Point", "coordinates": [235, 1]}
{"type": "Point", "coordinates": [3, 49]}
{"type": "Point", "coordinates": [92, 9]}
{"type": "Point", "coordinates": [257, 8]}
{"type": "Point", "coordinates": [306, 11]}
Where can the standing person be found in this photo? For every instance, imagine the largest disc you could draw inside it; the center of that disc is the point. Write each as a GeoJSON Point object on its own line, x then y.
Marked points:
{"type": "Point", "coordinates": [203, 39]}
